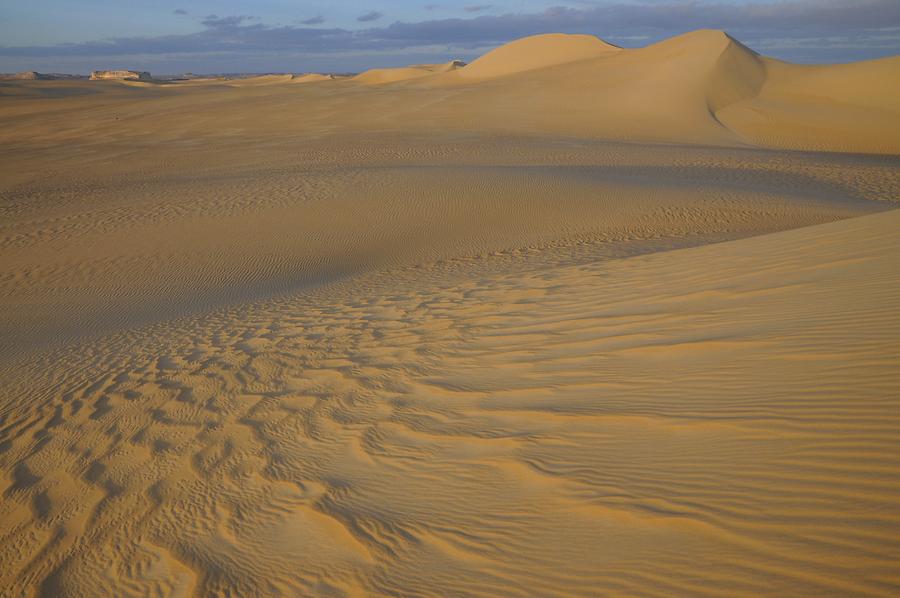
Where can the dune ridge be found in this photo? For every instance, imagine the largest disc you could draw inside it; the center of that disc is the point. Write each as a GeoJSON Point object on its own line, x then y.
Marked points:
{"type": "Point", "coordinates": [416, 71]}
{"type": "Point", "coordinates": [313, 78]}
{"type": "Point", "coordinates": [699, 88]}
{"type": "Point", "coordinates": [536, 52]}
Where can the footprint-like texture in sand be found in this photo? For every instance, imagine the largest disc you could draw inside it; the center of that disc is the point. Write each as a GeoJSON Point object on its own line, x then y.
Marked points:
{"type": "Point", "coordinates": [601, 427]}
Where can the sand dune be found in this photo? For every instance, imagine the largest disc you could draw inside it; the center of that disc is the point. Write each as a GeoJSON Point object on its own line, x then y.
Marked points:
{"type": "Point", "coordinates": [595, 428]}
{"type": "Point", "coordinates": [239, 231]}
{"type": "Point", "coordinates": [852, 107]}
{"type": "Point", "coordinates": [262, 80]}
{"type": "Point", "coordinates": [312, 78]}
{"type": "Point", "coordinates": [570, 320]}
{"type": "Point", "coordinates": [394, 75]}
{"type": "Point", "coordinates": [700, 88]}
{"type": "Point", "coordinates": [536, 52]}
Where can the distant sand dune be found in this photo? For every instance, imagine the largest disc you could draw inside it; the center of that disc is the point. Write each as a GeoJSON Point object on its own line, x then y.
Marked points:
{"type": "Point", "coordinates": [700, 88]}
{"type": "Point", "coordinates": [262, 80]}
{"type": "Point", "coordinates": [312, 78]}
{"type": "Point", "coordinates": [394, 75]}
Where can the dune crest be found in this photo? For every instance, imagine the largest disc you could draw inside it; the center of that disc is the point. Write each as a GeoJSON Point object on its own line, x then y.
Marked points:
{"type": "Point", "coordinates": [262, 80]}
{"type": "Point", "coordinates": [416, 71]}
{"type": "Point", "coordinates": [312, 78]}
{"type": "Point", "coordinates": [715, 65]}
{"type": "Point", "coordinates": [536, 52]}
{"type": "Point", "coordinates": [700, 87]}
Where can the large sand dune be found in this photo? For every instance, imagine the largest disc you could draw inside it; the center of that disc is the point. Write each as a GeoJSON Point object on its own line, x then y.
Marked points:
{"type": "Point", "coordinates": [572, 319]}
{"type": "Point", "coordinates": [536, 52]}
{"type": "Point", "coordinates": [701, 87]}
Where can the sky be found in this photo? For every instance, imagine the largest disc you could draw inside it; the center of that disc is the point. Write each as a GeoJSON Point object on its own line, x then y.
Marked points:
{"type": "Point", "coordinates": [231, 36]}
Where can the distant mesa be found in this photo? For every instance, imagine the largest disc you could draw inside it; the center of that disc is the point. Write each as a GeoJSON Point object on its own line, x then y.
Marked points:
{"type": "Point", "coordinates": [121, 76]}
{"type": "Point", "coordinates": [36, 76]}
{"type": "Point", "coordinates": [31, 76]}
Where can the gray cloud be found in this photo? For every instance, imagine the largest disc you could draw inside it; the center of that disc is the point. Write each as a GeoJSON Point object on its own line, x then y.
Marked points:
{"type": "Point", "coordinates": [477, 7]}
{"type": "Point", "coordinates": [809, 30]}
{"type": "Point", "coordinates": [216, 22]}
{"type": "Point", "coordinates": [179, 11]}
{"type": "Point", "coordinates": [369, 16]}
{"type": "Point", "coordinates": [317, 20]}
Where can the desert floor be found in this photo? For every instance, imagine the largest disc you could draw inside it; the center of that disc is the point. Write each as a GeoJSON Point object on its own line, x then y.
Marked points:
{"type": "Point", "coordinates": [346, 337]}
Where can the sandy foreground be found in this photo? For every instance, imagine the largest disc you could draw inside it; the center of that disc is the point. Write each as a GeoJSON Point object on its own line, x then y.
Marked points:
{"type": "Point", "coordinates": [568, 321]}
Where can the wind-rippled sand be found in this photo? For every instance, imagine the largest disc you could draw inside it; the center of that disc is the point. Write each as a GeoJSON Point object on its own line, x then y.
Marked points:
{"type": "Point", "coordinates": [247, 351]}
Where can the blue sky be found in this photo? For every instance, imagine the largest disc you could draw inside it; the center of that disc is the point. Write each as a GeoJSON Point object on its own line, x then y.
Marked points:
{"type": "Point", "coordinates": [341, 35]}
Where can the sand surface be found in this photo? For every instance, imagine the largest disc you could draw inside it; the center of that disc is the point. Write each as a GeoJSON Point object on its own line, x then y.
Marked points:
{"type": "Point", "coordinates": [421, 332]}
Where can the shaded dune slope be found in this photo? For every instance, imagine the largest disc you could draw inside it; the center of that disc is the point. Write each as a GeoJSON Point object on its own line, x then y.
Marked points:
{"type": "Point", "coordinates": [239, 232]}
{"type": "Point", "coordinates": [845, 107]}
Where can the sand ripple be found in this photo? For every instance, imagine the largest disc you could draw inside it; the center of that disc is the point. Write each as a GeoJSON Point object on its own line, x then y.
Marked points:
{"type": "Point", "coordinates": [713, 420]}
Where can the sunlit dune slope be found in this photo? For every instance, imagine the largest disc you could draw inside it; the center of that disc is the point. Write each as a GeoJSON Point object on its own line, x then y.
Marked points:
{"type": "Point", "coordinates": [536, 52]}
{"type": "Point", "coordinates": [723, 417]}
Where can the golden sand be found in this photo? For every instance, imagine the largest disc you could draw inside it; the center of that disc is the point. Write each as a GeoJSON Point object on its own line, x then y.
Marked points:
{"type": "Point", "coordinates": [570, 320]}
